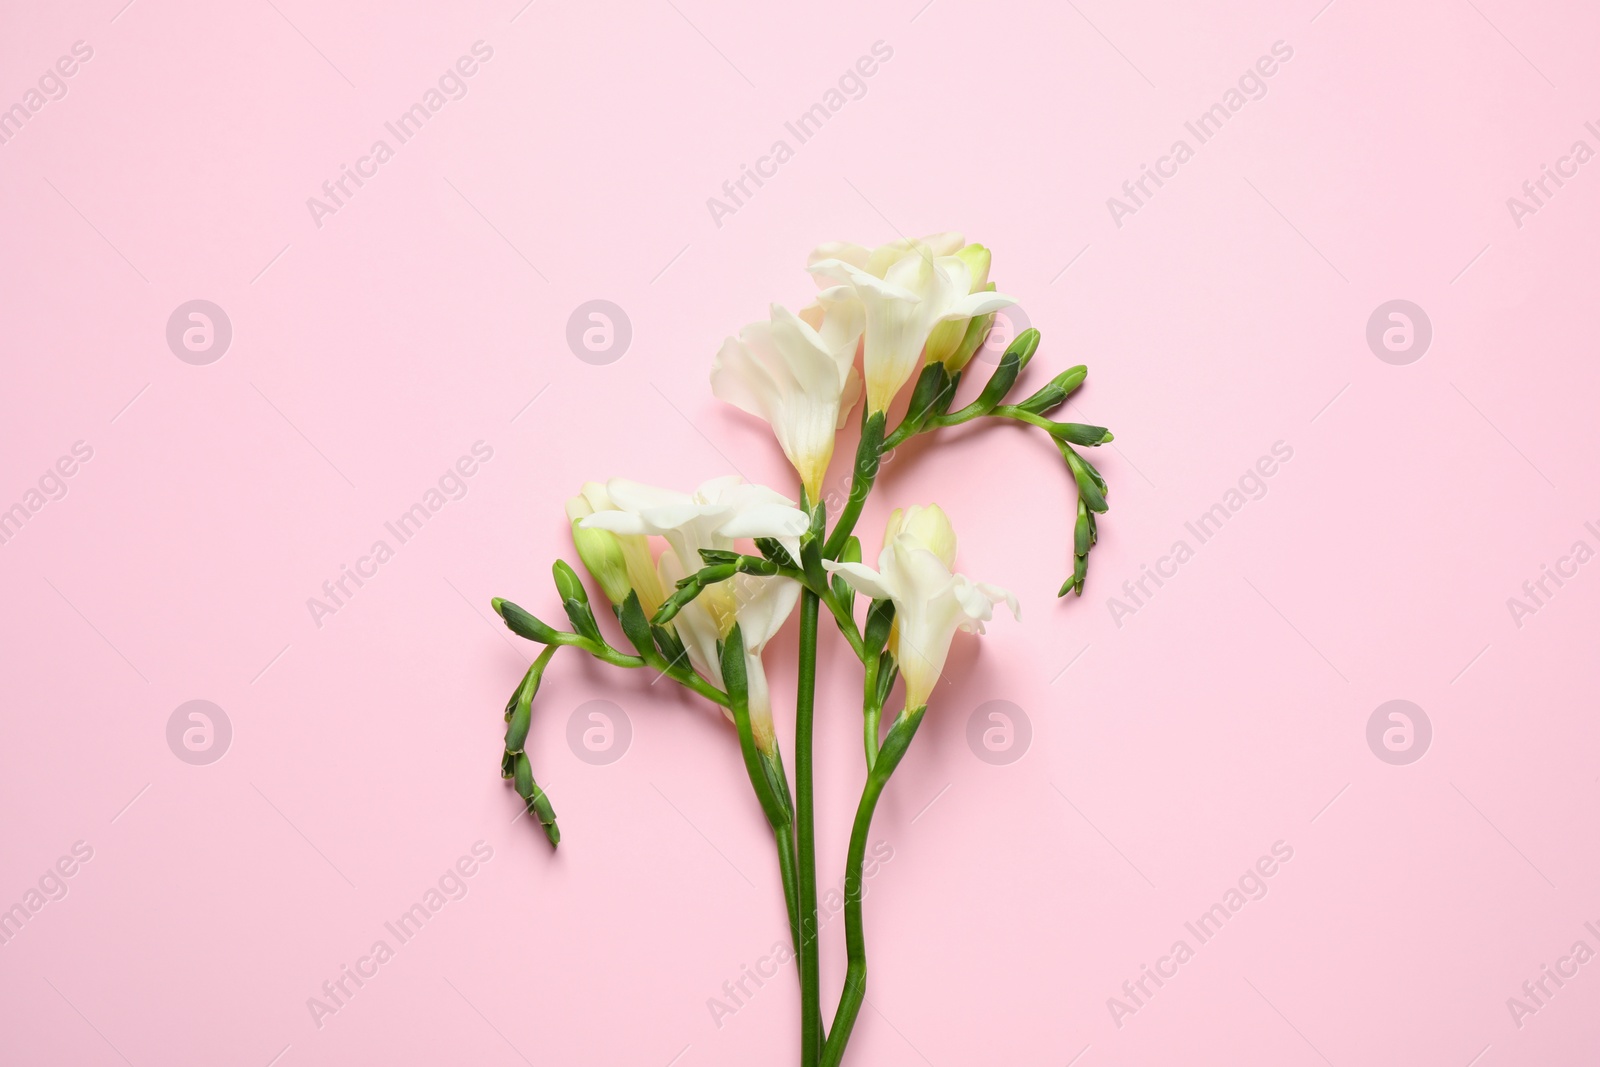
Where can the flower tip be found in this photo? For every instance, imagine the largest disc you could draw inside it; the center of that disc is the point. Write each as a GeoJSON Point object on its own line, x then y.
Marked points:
{"type": "Point", "coordinates": [498, 603]}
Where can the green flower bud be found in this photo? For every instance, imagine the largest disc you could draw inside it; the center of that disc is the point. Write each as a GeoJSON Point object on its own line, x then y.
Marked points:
{"type": "Point", "coordinates": [601, 553]}
{"type": "Point", "coordinates": [1055, 391]}
{"type": "Point", "coordinates": [568, 584]}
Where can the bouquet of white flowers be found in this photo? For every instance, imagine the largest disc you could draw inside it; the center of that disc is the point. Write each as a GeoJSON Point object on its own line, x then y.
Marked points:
{"type": "Point", "coordinates": [700, 582]}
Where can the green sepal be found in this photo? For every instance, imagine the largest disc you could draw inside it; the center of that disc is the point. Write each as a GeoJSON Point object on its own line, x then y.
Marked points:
{"type": "Point", "coordinates": [582, 619]}
{"type": "Point", "coordinates": [948, 397]}
{"type": "Point", "coordinates": [887, 672]}
{"type": "Point", "coordinates": [897, 741]}
{"type": "Point", "coordinates": [635, 626]}
{"type": "Point", "coordinates": [880, 619]}
{"type": "Point", "coordinates": [508, 763]}
{"type": "Point", "coordinates": [737, 685]}
{"type": "Point", "coordinates": [715, 557]}
{"type": "Point", "coordinates": [932, 384]}
{"type": "Point", "coordinates": [672, 649]}
{"type": "Point", "coordinates": [811, 564]}
{"type": "Point", "coordinates": [523, 624]}
{"type": "Point", "coordinates": [772, 765]}
{"type": "Point", "coordinates": [568, 584]}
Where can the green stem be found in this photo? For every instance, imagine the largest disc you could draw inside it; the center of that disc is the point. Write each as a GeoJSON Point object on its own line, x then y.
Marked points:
{"type": "Point", "coordinates": [868, 456]}
{"type": "Point", "coordinates": [1011, 411]}
{"type": "Point", "coordinates": [811, 1035]}
{"type": "Point", "coordinates": [870, 712]}
{"type": "Point", "coordinates": [791, 897]}
{"type": "Point", "coordinates": [855, 981]}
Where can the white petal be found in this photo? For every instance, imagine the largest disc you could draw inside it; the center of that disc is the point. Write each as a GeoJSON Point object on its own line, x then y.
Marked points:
{"type": "Point", "coordinates": [636, 496]}
{"type": "Point", "coordinates": [738, 378]}
{"type": "Point", "coordinates": [862, 579]}
{"type": "Point", "coordinates": [764, 605]}
{"type": "Point", "coordinates": [974, 304]}
{"type": "Point", "coordinates": [853, 254]}
{"type": "Point", "coordinates": [842, 272]}
{"type": "Point", "coordinates": [944, 244]}
{"type": "Point", "coordinates": [997, 594]}
{"type": "Point", "coordinates": [622, 522]}
{"type": "Point", "coordinates": [765, 520]}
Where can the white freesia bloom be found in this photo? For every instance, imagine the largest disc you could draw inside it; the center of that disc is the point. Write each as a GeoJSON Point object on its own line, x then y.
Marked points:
{"type": "Point", "coordinates": [619, 562]}
{"type": "Point", "coordinates": [712, 517]}
{"type": "Point", "coordinates": [786, 372]}
{"type": "Point", "coordinates": [917, 291]}
{"type": "Point", "coordinates": [954, 341]}
{"type": "Point", "coordinates": [930, 601]}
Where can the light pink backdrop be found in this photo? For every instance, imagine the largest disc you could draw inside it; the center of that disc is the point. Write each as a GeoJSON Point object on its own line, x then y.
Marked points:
{"type": "Point", "coordinates": [429, 313]}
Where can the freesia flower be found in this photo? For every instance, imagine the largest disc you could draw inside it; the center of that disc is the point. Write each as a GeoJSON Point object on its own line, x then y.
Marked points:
{"type": "Point", "coordinates": [954, 341]}
{"type": "Point", "coordinates": [917, 291]}
{"type": "Point", "coordinates": [621, 563]}
{"type": "Point", "coordinates": [786, 372]}
{"type": "Point", "coordinates": [712, 517]}
{"type": "Point", "coordinates": [931, 602]}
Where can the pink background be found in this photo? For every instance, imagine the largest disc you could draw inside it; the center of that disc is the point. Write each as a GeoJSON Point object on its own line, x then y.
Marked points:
{"type": "Point", "coordinates": [1168, 753]}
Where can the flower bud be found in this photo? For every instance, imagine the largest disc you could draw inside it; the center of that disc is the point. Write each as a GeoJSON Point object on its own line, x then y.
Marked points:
{"type": "Point", "coordinates": [600, 551]}
{"type": "Point", "coordinates": [947, 343]}
{"type": "Point", "coordinates": [568, 584]}
{"type": "Point", "coordinates": [927, 526]}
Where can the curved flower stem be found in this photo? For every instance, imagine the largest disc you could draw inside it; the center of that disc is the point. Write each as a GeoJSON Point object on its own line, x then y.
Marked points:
{"type": "Point", "coordinates": [811, 1035]}
{"type": "Point", "coordinates": [855, 980]}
